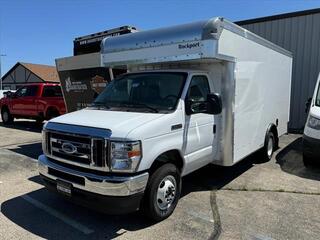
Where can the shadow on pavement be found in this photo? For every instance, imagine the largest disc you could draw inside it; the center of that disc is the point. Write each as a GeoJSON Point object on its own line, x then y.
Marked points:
{"type": "Point", "coordinates": [32, 126]}
{"type": "Point", "coordinates": [32, 150]}
{"type": "Point", "coordinates": [65, 220]}
{"type": "Point", "coordinates": [290, 161]}
{"type": "Point", "coordinates": [36, 179]}
{"type": "Point", "coordinates": [213, 177]}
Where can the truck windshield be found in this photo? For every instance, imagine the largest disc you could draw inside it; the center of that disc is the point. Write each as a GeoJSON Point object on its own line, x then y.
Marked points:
{"type": "Point", "coordinates": [152, 92]}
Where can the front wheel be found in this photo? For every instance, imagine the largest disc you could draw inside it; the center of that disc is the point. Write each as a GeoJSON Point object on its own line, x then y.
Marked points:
{"type": "Point", "coordinates": [6, 116]}
{"type": "Point", "coordinates": [162, 193]}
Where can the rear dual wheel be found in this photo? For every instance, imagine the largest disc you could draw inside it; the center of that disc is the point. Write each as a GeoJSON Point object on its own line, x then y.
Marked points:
{"type": "Point", "coordinates": [269, 147]}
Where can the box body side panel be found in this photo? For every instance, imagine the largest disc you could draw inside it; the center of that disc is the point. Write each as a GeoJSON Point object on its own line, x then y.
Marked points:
{"type": "Point", "coordinates": [262, 91]}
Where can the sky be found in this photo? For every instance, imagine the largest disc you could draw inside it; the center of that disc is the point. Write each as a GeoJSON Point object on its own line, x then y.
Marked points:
{"type": "Point", "coordinates": [39, 31]}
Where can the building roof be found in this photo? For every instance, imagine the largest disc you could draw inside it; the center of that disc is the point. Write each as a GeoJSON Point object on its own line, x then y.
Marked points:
{"type": "Point", "coordinates": [279, 16]}
{"type": "Point", "coordinates": [46, 72]}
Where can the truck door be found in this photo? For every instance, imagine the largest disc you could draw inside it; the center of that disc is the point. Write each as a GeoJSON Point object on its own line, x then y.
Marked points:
{"type": "Point", "coordinates": [31, 100]}
{"type": "Point", "coordinates": [199, 127]}
{"type": "Point", "coordinates": [24, 101]}
{"type": "Point", "coordinates": [16, 104]}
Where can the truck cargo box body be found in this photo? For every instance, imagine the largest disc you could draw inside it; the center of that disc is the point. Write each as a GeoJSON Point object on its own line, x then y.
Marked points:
{"type": "Point", "coordinates": [252, 75]}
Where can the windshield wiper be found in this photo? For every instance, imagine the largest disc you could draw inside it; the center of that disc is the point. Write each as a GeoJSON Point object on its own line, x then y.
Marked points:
{"type": "Point", "coordinates": [138, 104]}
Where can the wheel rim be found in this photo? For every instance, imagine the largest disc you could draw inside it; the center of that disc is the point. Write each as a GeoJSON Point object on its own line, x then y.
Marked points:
{"type": "Point", "coordinates": [166, 193]}
{"type": "Point", "coordinates": [5, 116]}
{"type": "Point", "coordinates": [270, 147]}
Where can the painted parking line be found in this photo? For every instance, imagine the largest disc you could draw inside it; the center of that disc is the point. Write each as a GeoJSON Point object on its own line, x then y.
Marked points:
{"type": "Point", "coordinates": [200, 216]}
{"type": "Point", "coordinates": [58, 215]}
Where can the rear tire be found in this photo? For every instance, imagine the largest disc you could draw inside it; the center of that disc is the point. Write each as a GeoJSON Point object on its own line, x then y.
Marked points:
{"type": "Point", "coordinates": [6, 116]}
{"type": "Point", "coordinates": [162, 193]}
{"type": "Point", "coordinates": [269, 146]}
{"type": "Point", "coordinates": [52, 113]}
{"type": "Point", "coordinates": [39, 120]}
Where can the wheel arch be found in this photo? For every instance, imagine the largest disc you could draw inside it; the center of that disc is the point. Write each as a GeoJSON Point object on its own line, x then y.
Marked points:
{"type": "Point", "coordinates": [50, 108]}
{"type": "Point", "coordinates": [173, 156]}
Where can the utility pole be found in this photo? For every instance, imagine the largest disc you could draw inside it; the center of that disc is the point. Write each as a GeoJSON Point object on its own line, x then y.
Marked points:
{"type": "Point", "coordinates": [1, 55]}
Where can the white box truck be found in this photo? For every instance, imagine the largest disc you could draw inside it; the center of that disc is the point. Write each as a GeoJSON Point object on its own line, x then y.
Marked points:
{"type": "Point", "coordinates": [208, 92]}
{"type": "Point", "coordinates": [311, 133]}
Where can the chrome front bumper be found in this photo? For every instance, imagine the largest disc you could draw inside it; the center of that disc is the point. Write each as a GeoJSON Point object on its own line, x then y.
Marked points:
{"type": "Point", "coordinates": [104, 185]}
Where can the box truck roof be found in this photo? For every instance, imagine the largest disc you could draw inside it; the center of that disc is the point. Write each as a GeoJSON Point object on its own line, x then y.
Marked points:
{"type": "Point", "coordinates": [198, 40]}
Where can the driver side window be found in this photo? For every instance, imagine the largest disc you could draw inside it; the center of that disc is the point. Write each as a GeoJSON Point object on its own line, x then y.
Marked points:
{"type": "Point", "coordinates": [198, 89]}
{"type": "Point", "coordinates": [21, 92]}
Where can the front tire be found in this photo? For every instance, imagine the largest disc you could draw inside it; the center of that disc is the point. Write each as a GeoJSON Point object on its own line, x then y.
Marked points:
{"type": "Point", "coordinates": [6, 116]}
{"type": "Point", "coordinates": [162, 193]}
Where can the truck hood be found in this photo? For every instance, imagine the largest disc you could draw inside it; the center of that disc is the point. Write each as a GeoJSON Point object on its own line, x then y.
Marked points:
{"type": "Point", "coordinates": [119, 123]}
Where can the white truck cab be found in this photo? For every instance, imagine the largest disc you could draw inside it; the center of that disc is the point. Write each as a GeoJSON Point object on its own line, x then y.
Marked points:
{"type": "Point", "coordinates": [203, 93]}
{"type": "Point", "coordinates": [311, 134]}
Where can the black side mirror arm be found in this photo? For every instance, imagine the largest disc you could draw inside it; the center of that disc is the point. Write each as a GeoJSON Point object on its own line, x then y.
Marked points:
{"type": "Point", "coordinates": [308, 104]}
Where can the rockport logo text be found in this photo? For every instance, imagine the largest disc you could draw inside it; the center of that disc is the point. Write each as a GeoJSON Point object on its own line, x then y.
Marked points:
{"type": "Point", "coordinates": [189, 45]}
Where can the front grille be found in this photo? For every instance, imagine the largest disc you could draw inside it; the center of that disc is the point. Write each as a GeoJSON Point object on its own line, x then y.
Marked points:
{"type": "Point", "coordinates": [75, 149]}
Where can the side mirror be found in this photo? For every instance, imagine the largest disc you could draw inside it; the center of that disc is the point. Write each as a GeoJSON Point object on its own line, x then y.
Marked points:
{"type": "Point", "coordinates": [211, 106]}
{"type": "Point", "coordinates": [7, 94]}
{"type": "Point", "coordinates": [214, 103]}
{"type": "Point", "coordinates": [308, 104]}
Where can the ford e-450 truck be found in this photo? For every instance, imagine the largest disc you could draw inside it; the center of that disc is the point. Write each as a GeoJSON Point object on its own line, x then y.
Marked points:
{"type": "Point", "coordinates": [208, 92]}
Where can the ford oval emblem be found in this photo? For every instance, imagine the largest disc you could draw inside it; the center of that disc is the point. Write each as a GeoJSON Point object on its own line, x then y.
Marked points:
{"type": "Point", "coordinates": [69, 148]}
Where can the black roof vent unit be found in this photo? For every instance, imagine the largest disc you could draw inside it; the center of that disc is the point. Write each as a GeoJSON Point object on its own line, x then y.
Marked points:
{"type": "Point", "coordinates": [91, 43]}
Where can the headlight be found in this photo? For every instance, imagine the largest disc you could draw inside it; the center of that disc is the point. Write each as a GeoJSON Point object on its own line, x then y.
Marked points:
{"type": "Point", "coordinates": [45, 141]}
{"type": "Point", "coordinates": [125, 156]}
{"type": "Point", "coordinates": [314, 123]}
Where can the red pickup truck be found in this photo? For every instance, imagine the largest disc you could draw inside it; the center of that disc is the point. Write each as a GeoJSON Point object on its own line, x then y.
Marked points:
{"type": "Point", "coordinates": [40, 101]}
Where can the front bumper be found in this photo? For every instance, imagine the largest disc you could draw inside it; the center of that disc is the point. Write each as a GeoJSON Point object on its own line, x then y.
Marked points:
{"type": "Point", "coordinates": [311, 147]}
{"type": "Point", "coordinates": [101, 203]}
{"type": "Point", "coordinates": [118, 193]}
{"type": "Point", "coordinates": [104, 185]}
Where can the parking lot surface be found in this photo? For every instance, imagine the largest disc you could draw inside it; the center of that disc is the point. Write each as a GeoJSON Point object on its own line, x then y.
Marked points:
{"type": "Point", "coordinates": [279, 199]}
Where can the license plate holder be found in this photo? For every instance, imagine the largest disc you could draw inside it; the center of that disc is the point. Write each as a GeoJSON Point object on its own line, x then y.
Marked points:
{"type": "Point", "coordinates": [64, 188]}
